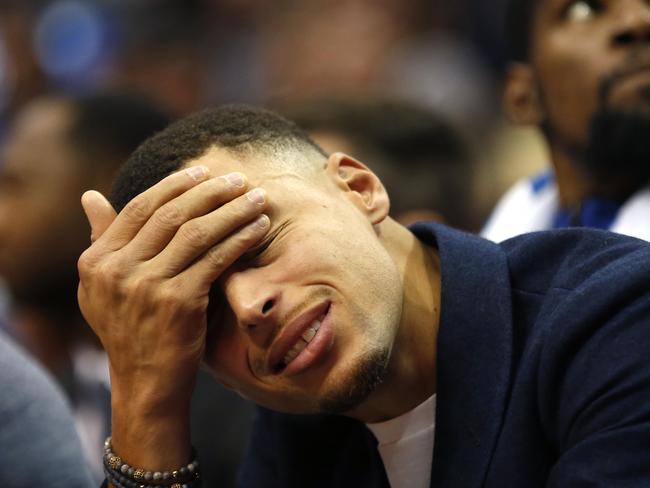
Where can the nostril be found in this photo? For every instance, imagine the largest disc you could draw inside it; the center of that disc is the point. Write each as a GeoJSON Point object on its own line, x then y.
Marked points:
{"type": "Point", "coordinates": [251, 327]}
{"type": "Point", "coordinates": [268, 305]}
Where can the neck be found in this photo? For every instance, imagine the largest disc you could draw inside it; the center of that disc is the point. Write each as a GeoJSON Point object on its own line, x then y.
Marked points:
{"type": "Point", "coordinates": [411, 374]}
{"type": "Point", "coordinates": [575, 184]}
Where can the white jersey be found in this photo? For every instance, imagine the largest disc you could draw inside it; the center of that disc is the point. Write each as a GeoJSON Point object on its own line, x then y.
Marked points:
{"type": "Point", "coordinates": [532, 204]}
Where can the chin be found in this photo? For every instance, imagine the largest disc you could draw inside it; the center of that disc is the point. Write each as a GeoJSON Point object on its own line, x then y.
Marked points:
{"type": "Point", "coordinates": [617, 152]}
{"type": "Point", "coordinates": [351, 391]}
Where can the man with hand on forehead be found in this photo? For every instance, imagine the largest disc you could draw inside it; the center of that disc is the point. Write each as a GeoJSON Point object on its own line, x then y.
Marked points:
{"type": "Point", "coordinates": [379, 355]}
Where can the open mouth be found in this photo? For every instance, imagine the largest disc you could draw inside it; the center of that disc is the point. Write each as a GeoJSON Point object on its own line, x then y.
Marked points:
{"type": "Point", "coordinates": [307, 345]}
{"type": "Point", "coordinates": [302, 343]}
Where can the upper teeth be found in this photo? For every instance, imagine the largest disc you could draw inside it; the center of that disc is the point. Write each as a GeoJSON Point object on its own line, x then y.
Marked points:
{"type": "Point", "coordinates": [307, 336]}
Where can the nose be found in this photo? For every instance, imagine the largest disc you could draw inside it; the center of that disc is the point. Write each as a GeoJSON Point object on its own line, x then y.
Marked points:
{"type": "Point", "coordinates": [255, 303]}
{"type": "Point", "coordinates": [633, 22]}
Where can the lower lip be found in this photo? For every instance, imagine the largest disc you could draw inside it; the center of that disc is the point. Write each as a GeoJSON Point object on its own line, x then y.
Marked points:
{"type": "Point", "coordinates": [315, 350]}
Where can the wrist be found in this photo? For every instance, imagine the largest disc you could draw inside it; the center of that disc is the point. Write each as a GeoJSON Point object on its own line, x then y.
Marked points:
{"type": "Point", "coordinates": [151, 434]}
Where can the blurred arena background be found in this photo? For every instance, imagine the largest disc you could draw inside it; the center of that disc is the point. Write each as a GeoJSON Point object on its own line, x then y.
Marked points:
{"type": "Point", "coordinates": [446, 54]}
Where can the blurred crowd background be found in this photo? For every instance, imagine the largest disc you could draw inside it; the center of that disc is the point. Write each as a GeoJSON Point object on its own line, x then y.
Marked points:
{"type": "Point", "coordinates": [412, 88]}
{"type": "Point", "coordinates": [447, 55]}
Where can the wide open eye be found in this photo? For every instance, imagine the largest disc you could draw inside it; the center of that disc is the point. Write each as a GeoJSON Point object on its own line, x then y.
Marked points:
{"type": "Point", "coordinates": [582, 10]}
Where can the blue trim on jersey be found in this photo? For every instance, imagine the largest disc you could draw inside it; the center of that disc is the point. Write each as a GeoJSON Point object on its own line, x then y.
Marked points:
{"type": "Point", "coordinates": [541, 181]}
{"type": "Point", "coordinates": [597, 213]}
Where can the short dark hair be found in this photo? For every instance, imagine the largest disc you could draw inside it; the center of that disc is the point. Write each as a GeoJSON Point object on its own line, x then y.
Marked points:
{"type": "Point", "coordinates": [518, 28]}
{"type": "Point", "coordinates": [107, 127]}
{"type": "Point", "coordinates": [236, 127]}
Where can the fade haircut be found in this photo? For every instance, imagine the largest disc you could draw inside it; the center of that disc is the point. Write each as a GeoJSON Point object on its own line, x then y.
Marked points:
{"type": "Point", "coordinates": [518, 28]}
{"type": "Point", "coordinates": [241, 129]}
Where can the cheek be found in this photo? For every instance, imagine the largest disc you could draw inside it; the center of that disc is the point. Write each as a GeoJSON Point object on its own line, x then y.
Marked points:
{"type": "Point", "coordinates": [570, 67]}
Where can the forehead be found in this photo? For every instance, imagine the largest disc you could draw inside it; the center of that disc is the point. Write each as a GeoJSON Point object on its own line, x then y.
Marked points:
{"type": "Point", "coordinates": [222, 161]}
{"type": "Point", "coordinates": [260, 170]}
{"type": "Point", "coordinates": [544, 13]}
{"type": "Point", "coordinates": [292, 194]}
{"type": "Point", "coordinates": [37, 140]}
{"type": "Point", "coordinates": [41, 119]}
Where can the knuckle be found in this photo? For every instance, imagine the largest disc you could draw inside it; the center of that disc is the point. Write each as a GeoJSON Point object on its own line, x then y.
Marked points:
{"type": "Point", "coordinates": [86, 262]}
{"type": "Point", "coordinates": [217, 258]}
{"type": "Point", "coordinates": [136, 288]}
{"type": "Point", "coordinates": [110, 271]}
{"type": "Point", "coordinates": [169, 296]}
{"type": "Point", "coordinates": [176, 299]}
{"type": "Point", "coordinates": [169, 215]}
{"type": "Point", "coordinates": [193, 233]}
{"type": "Point", "coordinates": [137, 208]}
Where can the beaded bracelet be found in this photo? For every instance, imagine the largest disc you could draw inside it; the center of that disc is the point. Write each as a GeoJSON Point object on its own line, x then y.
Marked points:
{"type": "Point", "coordinates": [119, 480]}
{"type": "Point", "coordinates": [120, 473]}
{"type": "Point", "coordinates": [126, 483]}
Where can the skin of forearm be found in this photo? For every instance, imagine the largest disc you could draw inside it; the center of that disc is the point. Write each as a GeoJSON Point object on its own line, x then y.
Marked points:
{"type": "Point", "coordinates": [153, 439]}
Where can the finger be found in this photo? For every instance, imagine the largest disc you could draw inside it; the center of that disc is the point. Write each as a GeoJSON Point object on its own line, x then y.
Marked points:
{"type": "Point", "coordinates": [176, 213]}
{"type": "Point", "coordinates": [99, 211]}
{"type": "Point", "coordinates": [198, 235]}
{"type": "Point", "coordinates": [211, 265]}
{"type": "Point", "coordinates": [138, 211]}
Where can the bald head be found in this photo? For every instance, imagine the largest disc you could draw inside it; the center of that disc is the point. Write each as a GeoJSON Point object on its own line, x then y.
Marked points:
{"type": "Point", "coordinates": [240, 129]}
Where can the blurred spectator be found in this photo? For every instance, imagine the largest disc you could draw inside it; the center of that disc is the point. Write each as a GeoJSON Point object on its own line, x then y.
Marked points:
{"type": "Point", "coordinates": [316, 48]}
{"type": "Point", "coordinates": [579, 73]}
{"type": "Point", "coordinates": [164, 54]}
{"type": "Point", "coordinates": [424, 162]}
{"type": "Point", "coordinates": [37, 436]}
{"type": "Point", "coordinates": [21, 77]}
{"type": "Point", "coordinates": [444, 72]}
{"type": "Point", "coordinates": [56, 149]}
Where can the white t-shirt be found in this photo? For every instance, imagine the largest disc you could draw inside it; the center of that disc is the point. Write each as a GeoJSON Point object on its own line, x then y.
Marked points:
{"type": "Point", "coordinates": [405, 445]}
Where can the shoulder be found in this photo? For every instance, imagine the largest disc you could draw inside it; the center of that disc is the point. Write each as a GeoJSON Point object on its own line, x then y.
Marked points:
{"type": "Point", "coordinates": [37, 436]}
{"type": "Point", "coordinates": [581, 320]}
{"type": "Point", "coordinates": [589, 340]}
{"type": "Point", "coordinates": [574, 258]}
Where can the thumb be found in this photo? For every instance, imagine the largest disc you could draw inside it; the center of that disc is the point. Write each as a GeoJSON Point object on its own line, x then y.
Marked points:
{"type": "Point", "coordinates": [99, 212]}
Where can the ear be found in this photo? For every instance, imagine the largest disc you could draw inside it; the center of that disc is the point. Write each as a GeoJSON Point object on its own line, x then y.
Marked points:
{"type": "Point", "coordinates": [364, 189]}
{"type": "Point", "coordinates": [521, 98]}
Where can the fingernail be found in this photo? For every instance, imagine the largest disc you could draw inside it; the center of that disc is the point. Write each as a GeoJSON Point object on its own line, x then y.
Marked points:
{"type": "Point", "coordinates": [197, 173]}
{"type": "Point", "coordinates": [262, 221]}
{"type": "Point", "coordinates": [235, 179]}
{"type": "Point", "coordinates": [256, 196]}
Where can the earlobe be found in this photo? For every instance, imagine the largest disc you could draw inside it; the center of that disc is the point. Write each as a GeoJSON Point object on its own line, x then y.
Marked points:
{"type": "Point", "coordinates": [360, 185]}
{"type": "Point", "coordinates": [521, 98]}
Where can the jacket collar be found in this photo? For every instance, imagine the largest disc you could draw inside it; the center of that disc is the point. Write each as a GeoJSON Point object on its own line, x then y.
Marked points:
{"type": "Point", "coordinates": [474, 354]}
